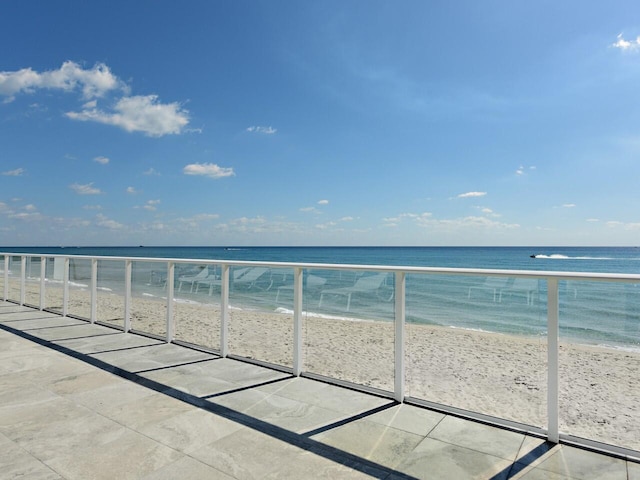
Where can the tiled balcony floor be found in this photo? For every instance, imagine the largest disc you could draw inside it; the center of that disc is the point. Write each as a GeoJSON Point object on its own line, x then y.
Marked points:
{"type": "Point", "coordinates": [82, 401]}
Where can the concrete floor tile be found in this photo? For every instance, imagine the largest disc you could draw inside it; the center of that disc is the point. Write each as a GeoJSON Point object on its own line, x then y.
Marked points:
{"type": "Point", "coordinates": [191, 430]}
{"type": "Point", "coordinates": [633, 470]}
{"type": "Point", "coordinates": [280, 411]}
{"type": "Point", "coordinates": [187, 468]}
{"type": "Point", "coordinates": [578, 463]}
{"type": "Point", "coordinates": [348, 401]}
{"type": "Point", "coordinates": [111, 395]}
{"type": "Point", "coordinates": [408, 418]}
{"type": "Point", "coordinates": [433, 459]}
{"type": "Point", "coordinates": [247, 454]}
{"type": "Point", "coordinates": [17, 463]}
{"type": "Point", "coordinates": [131, 455]}
{"type": "Point", "coordinates": [310, 465]}
{"type": "Point", "coordinates": [476, 436]}
{"type": "Point", "coordinates": [140, 412]}
{"type": "Point", "coordinates": [372, 441]}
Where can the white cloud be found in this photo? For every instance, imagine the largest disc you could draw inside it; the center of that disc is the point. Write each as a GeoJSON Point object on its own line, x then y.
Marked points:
{"type": "Point", "coordinates": [103, 221]}
{"type": "Point", "coordinates": [323, 202]}
{"type": "Point", "coordinates": [18, 172]}
{"type": "Point", "coordinates": [151, 171]}
{"type": "Point", "coordinates": [101, 160]}
{"type": "Point", "coordinates": [627, 45]}
{"type": "Point", "coordinates": [131, 190]}
{"type": "Point", "coordinates": [151, 205]}
{"type": "Point", "coordinates": [139, 114]}
{"type": "Point", "coordinates": [265, 130]}
{"type": "Point", "coordinates": [70, 76]}
{"type": "Point", "coordinates": [208, 169]}
{"type": "Point", "coordinates": [569, 205]}
{"type": "Point", "coordinates": [347, 219]}
{"type": "Point", "coordinates": [472, 194]}
{"type": "Point", "coordinates": [92, 207]}
{"type": "Point", "coordinates": [310, 209]}
{"type": "Point", "coordinates": [86, 189]}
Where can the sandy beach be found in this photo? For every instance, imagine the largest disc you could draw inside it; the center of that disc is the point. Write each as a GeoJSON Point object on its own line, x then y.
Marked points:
{"type": "Point", "coordinates": [495, 374]}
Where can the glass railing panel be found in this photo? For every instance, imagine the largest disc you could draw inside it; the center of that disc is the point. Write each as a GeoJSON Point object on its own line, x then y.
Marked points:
{"type": "Point", "coordinates": [54, 287]}
{"type": "Point", "coordinates": [196, 304]}
{"type": "Point", "coordinates": [111, 292]}
{"type": "Point", "coordinates": [2, 276]}
{"type": "Point", "coordinates": [15, 271]}
{"type": "Point", "coordinates": [79, 288]}
{"type": "Point", "coordinates": [600, 361]}
{"type": "Point", "coordinates": [32, 283]}
{"type": "Point", "coordinates": [261, 314]}
{"type": "Point", "coordinates": [479, 344]}
{"type": "Point", "coordinates": [149, 297]}
{"type": "Point", "coordinates": [348, 327]}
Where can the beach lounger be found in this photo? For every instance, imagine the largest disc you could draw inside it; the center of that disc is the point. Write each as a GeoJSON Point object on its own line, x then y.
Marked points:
{"type": "Point", "coordinates": [313, 283]}
{"type": "Point", "coordinates": [368, 284]}
{"type": "Point", "coordinates": [192, 279]}
{"type": "Point", "coordinates": [215, 281]}
{"type": "Point", "coordinates": [522, 286]}
{"type": "Point", "coordinates": [493, 284]}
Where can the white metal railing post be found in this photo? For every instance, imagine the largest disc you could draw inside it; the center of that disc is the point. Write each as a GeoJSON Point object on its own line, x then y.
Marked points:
{"type": "Point", "coordinates": [171, 326]}
{"type": "Point", "coordinates": [5, 294]}
{"type": "Point", "coordinates": [553, 431]}
{"type": "Point", "coordinates": [23, 278]}
{"type": "Point", "coordinates": [43, 273]}
{"type": "Point", "coordinates": [94, 290]}
{"type": "Point", "coordinates": [65, 287]}
{"type": "Point", "coordinates": [400, 312]}
{"type": "Point", "coordinates": [127, 295]}
{"type": "Point", "coordinates": [298, 360]}
{"type": "Point", "coordinates": [224, 310]}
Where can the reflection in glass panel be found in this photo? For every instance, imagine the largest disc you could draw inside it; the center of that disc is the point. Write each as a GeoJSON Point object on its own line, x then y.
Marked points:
{"type": "Point", "coordinates": [600, 361]}
{"type": "Point", "coordinates": [261, 314]}
{"type": "Point", "coordinates": [348, 327]}
{"type": "Point", "coordinates": [2, 275]}
{"type": "Point", "coordinates": [15, 271]}
{"type": "Point", "coordinates": [148, 297]}
{"type": "Point", "coordinates": [196, 305]}
{"type": "Point", "coordinates": [110, 292]}
{"type": "Point", "coordinates": [54, 277]}
{"type": "Point", "coordinates": [478, 343]}
{"type": "Point", "coordinates": [80, 287]}
{"type": "Point", "coordinates": [32, 283]}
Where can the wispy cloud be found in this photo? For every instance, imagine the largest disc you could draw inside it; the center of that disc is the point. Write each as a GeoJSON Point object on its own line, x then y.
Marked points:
{"type": "Point", "coordinates": [522, 170]}
{"type": "Point", "coordinates": [151, 171]}
{"type": "Point", "coordinates": [105, 222]}
{"type": "Point", "coordinates": [151, 205]}
{"type": "Point", "coordinates": [627, 45]}
{"type": "Point", "coordinates": [18, 172]}
{"type": "Point", "coordinates": [101, 160]}
{"type": "Point", "coordinates": [323, 202]}
{"type": "Point", "coordinates": [265, 130]}
{"type": "Point", "coordinates": [210, 170]}
{"type": "Point", "coordinates": [140, 113]}
{"type": "Point", "coordinates": [86, 189]}
{"type": "Point", "coordinates": [131, 190]}
{"type": "Point", "coordinates": [472, 194]}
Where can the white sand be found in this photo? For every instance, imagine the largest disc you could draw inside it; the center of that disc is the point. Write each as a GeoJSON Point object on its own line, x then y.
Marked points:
{"type": "Point", "coordinates": [500, 375]}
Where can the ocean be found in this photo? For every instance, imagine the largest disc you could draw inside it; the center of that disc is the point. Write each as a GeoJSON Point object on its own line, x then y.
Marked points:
{"type": "Point", "coordinates": [601, 313]}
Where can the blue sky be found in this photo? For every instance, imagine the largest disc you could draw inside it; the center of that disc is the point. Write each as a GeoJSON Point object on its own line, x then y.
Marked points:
{"type": "Point", "coordinates": [319, 123]}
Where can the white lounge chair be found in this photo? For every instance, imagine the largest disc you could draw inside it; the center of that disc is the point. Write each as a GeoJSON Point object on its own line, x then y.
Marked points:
{"type": "Point", "coordinates": [313, 282]}
{"type": "Point", "coordinates": [192, 279]}
{"type": "Point", "coordinates": [367, 284]}
{"type": "Point", "coordinates": [494, 284]}
{"type": "Point", "coordinates": [522, 286]}
{"type": "Point", "coordinates": [251, 278]}
{"type": "Point", "coordinates": [215, 281]}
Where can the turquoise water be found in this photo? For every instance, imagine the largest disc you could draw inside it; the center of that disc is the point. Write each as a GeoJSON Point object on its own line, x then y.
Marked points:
{"type": "Point", "coordinates": [591, 313]}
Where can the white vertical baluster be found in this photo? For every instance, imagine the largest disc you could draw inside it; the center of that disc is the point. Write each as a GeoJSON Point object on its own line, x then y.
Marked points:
{"type": "Point", "coordinates": [399, 381]}
{"type": "Point", "coordinates": [127, 295]}
{"type": "Point", "coordinates": [298, 360]}
{"type": "Point", "coordinates": [94, 290]}
{"type": "Point", "coordinates": [553, 434]}
{"type": "Point", "coordinates": [171, 326]}
{"type": "Point", "coordinates": [43, 273]}
{"type": "Point", "coordinates": [224, 311]}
